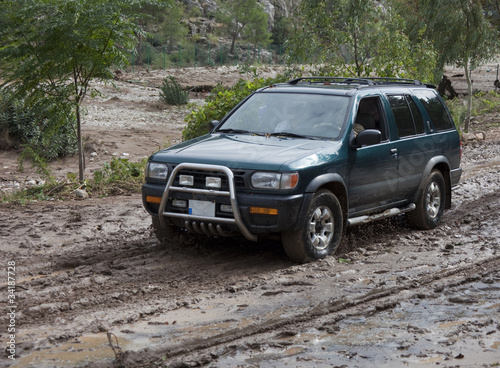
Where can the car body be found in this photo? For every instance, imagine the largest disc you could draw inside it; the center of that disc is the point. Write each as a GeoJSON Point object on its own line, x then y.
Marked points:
{"type": "Point", "coordinates": [307, 158]}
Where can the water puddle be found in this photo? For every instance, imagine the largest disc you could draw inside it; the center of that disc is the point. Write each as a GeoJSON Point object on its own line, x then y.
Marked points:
{"type": "Point", "coordinates": [459, 327]}
{"type": "Point", "coordinates": [455, 326]}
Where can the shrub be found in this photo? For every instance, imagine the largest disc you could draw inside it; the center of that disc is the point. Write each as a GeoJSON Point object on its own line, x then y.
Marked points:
{"type": "Point", "coordinates": [172, 93]}
{"type": "Point", "coordinates": [45, 126]}
{"type": "Point", "coordinates": [220, 102]}
{"type": "Point", "coordinates": [118, 176]}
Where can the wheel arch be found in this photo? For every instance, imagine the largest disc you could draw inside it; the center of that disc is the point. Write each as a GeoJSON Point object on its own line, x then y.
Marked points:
{"type": "Point", "coordinates": [335, 184]}
{"type": "Point", "coordinates": [442, 164]}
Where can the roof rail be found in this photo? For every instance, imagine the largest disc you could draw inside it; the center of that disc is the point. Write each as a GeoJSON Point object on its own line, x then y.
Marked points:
{"type": "Point", "coordinates": [369, 81]}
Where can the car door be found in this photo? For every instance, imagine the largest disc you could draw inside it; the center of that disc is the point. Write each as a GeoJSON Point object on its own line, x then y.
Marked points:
{"type": "Point", "coordinates": [373, 170]}
{"type": "Point", "coordinates": [412, 146]}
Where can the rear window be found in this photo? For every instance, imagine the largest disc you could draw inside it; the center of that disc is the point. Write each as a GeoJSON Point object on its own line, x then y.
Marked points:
{"type": "Point", "coordinates": [435, 108]}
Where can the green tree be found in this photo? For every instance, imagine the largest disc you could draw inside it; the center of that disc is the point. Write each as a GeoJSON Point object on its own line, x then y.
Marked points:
{"type": "Point", "coordinates": [56, 47]}
{"type": "Point", "coordinates": [244, 18]}
{"type": "Point", "coordinates": [462, 33]}
{"type": "Point", "coordinates": [359, 38]}
{"type": "Point", "coordinates": [492, 11]}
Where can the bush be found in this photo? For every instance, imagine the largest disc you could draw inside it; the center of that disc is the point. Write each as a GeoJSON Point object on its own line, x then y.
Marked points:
{"type": "Point", "coordinates": [482, 103]}
{"type": "Point", "coordinates": [172, 93]}
{"type": "Point", "coordinates": [44, 126]}
{"type": "Point", "coordinates": [220, 102]}
{"type": "Point", "coordinates": [118, 176]}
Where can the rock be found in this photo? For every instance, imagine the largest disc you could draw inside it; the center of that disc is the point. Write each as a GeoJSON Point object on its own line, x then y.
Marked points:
{"type": "Point", "coordinates": [480, 136]}
{"type": "Point", "coordinates": [468, 136]}
{"type": "Point", "coordinates": [93, 154]}
{"type": "Point", "coordinates": [81, 193]}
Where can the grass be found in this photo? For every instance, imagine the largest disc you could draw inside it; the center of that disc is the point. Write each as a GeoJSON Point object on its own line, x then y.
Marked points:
{"type": "Point", "coordinates": [120, 176]}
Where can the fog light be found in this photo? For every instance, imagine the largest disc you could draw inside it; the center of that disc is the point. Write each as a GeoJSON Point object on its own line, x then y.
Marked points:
{"type": "Point", "coordinates": [179, 203]}
{"type": "Point", "coordinates": [213, 182]}
{"type": "Point", "coordinates": [226, 208]}
{"type": "Point", "coordinates": [186, 180]}
{"type": "Point", "coordinates": [263, 211]}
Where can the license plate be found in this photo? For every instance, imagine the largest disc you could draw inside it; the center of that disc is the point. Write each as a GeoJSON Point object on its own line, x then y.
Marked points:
{"type": "Point", "coordinates": [201, 208]}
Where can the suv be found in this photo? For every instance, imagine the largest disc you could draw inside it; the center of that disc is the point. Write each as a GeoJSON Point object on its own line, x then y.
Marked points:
{"type": "Point", "coordinates": [305, 159]}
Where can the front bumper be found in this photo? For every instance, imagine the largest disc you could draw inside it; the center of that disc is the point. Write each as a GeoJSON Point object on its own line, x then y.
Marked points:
{"type": "Point", "coordinates": [243, 218]}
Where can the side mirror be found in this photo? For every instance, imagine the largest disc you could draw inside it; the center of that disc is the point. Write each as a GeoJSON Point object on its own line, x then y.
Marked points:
{"type": "Point", "coordinates": [367, 137]}
{"type": "Point", "coordinates": [214, 123]}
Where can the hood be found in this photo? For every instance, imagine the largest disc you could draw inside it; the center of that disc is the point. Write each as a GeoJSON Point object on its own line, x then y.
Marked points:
{"type": "Point", "coordinates": [248, 152]}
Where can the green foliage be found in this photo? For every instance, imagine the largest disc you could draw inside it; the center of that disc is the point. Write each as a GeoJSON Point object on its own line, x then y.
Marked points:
{"type": "Point", "coordinates": [359, 38]}
{"type": "Point", "coordinates": [283, 27]}
{"type": "Point", "coordinates": [220, 102]}
{"type": "Point", "coordinates": [45, 128]}
{"type": "Point", "coordinates": [482, 103]}
{"type": "Point", "coordinates": [246, 18]}
{"type": "Point", "coordinates": [118, 176]}
{"type": "Point", "coordinates": [81, 40]}
{"type": "Point", "coordinates": [172, 93]}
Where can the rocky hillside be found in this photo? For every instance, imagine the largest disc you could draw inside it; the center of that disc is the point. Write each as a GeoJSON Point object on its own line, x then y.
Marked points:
{"type": "Point", "coordinates": [275, 8]}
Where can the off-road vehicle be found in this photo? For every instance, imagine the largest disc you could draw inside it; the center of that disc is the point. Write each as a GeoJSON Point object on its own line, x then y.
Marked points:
{"type": "Point", "coordinates": [306, 158]}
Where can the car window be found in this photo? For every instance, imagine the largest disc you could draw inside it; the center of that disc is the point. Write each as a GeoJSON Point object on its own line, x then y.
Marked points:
{"type": "Point", "coordinates": [314, 115]}
{"type": "Point", "coordinates": [417, 116]}
{"type": "Point", "coordinates": [369, 116]}
{"type": "Point", "coordinates": [402, 115]}
{"type": "Point", "coordinates": [434, 107]}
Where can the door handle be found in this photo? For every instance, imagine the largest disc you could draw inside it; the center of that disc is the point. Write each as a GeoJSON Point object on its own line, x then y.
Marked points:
{"type": "Point", "coordinates": [394, 152]}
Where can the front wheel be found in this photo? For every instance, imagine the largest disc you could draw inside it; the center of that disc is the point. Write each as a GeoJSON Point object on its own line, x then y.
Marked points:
{"type": "Point", "coordinates": [166, 234]}
{"type": "Point", "coordinates": [321, 232]}
{"type": "Point", "coordinates": [430, 205]}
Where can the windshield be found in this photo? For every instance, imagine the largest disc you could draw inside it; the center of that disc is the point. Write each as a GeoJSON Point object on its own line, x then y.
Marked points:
{"type": "Point", "coordinates": [289, 114]}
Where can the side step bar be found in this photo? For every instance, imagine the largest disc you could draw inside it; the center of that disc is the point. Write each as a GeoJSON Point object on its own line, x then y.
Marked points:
{"type": "Point", "coordinates": [387, 213]}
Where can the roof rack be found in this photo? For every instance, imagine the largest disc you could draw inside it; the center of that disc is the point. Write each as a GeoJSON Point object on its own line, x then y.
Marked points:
{"type": "Point", "coordinates": [357, 81]}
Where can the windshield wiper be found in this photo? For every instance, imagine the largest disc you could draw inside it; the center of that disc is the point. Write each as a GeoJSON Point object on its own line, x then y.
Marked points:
{"type": "Point", "coordinates": [230, 130]}
{"type": "Point", "coordinates": [236, 131]}
{"type": "Point", "coordinates": [288, 134]}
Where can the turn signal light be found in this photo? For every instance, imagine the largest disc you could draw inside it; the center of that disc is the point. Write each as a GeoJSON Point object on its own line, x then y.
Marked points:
{"type": "Point", "coordinates": [151, 199]}
{"type": "Point", "coordinates": [263, 211]}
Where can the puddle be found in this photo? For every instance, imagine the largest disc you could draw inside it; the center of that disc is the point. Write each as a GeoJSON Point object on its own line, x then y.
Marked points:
{"type": "Point", "coordinates": [460, 327]}
{"type": "Point", "coordinates": [82, 350]}
{"type": "Point", "coordinates": [453, 327]}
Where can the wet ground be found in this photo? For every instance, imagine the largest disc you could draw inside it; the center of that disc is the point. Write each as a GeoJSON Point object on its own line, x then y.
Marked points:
{"type": "Point", "coordinates": [392, 297]}
{"type": "Point", "coordinates": [94, 288]}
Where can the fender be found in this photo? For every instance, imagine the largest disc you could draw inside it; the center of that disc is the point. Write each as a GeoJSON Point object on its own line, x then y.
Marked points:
{"type": "Point", "coordinates": [442, 164]}
{"type": "Point", "coordinates": [335, 183]}
{"type": "Point", "coordinates": [324, 179]}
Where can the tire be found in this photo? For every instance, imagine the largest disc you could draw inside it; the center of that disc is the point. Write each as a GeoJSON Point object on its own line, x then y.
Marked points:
{"type": "Point", "coordinates": [165, 234]}
{"type": "Point", "coordinates": [320, 233]}
{"type": "Point", "coordinates": [430, 205]}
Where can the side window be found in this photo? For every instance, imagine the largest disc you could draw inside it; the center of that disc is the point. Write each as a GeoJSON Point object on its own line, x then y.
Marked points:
{"type": "Point", "coordinates": [437, 112]}
{"type": "Point", "coordinates": [402, 115]}
{"type": "Point", "coordinates": [417, 116]}
{"type": "Point", "coordinates": [369, 116]}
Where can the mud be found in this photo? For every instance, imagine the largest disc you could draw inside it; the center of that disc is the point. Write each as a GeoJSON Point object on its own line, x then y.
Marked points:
{"type": "Point", "coordinates": [94, 288]}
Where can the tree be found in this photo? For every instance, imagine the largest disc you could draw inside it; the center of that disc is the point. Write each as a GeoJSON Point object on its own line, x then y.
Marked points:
{"type": "Point", "coordinates": [359, 38]}
{"type": "Point", "coordinates": [465, 38]}
{"type": "Point", "coordinates": [238, 16]}
{"type": "Point", "coordinates": [54, 48]}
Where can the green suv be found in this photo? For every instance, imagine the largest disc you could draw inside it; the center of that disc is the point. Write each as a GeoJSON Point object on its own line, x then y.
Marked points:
{"type": "Point", "coordinates": [305, 159]}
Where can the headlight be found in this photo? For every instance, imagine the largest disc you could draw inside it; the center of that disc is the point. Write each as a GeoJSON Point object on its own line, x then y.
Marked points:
{"type": "Point", "coordinates": [155, 170]}
{"type": "Point", "coordinates": [270, 180]}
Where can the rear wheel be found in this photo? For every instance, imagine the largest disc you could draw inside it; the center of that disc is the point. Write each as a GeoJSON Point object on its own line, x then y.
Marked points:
{"type": "Point", "coordinates": [321, 232]}
{"type": "Point", "coordinates": [430, 205]}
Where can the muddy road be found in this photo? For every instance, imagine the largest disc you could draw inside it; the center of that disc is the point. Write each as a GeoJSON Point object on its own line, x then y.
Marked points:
{"type": "Point", "coordinates": [93, 288]}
